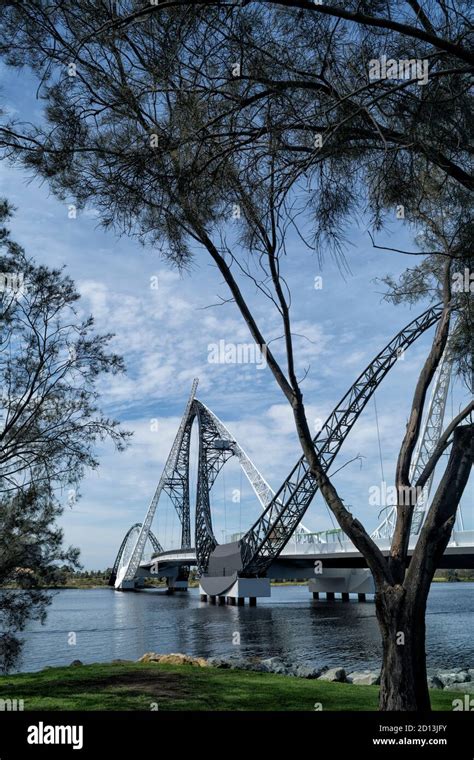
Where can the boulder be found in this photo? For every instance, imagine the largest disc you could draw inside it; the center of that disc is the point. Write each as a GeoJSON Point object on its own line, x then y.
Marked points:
{"type": "Point", "coordinates": [305, 671]}
{"type": "Point", "coordinates": [464, 688]}
{"type": "Point", "coordinates": [333, 674]}
{"type": "Point", "coordinates": [275, 665]}
{"type": "Point", "coordinates": [76, 663]}
{"type": "Point", "coordinates": [238, 664]}
{"type": "Point", "coordinates": [364, 678]}
{"type": "Point", "coordinates": [255, 666]}
{"type": "Point", "coordinates": [435, 683]}
{"type": "Point", "coordinates": [218, 662]}
{"type": "Point", "coordinates": [149, 657]}
{"type": "Point", "coordinates": [280, 670]}
{"type": "Point", "coordinates": [182, 659]}
{"type": "Point", "coordinates": [173, 659]}
{"type": "Point", "coordinates": [449, 677]}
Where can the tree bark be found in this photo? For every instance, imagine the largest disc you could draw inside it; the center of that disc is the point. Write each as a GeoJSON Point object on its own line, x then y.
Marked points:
{"type": "Point", "coordinates": [403, 681]}
{"type": "Point", "coordinates": [401, 608]}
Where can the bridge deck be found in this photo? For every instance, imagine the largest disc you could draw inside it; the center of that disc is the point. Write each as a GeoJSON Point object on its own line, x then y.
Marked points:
{"type": "Point", "coordinates": [459, 554]}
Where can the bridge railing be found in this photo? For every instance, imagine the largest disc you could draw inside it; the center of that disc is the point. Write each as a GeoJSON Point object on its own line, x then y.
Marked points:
{"type": "Point", "coordinates": [462, 538]}
{"type": "Point", "coordinates": [328, 542]}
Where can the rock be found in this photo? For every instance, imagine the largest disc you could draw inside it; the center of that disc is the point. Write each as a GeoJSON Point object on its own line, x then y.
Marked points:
{"type": "Point", "coordinates": [76, 663]}
{"type": "Point", "coordinates": [435, 683]}
{"type": "Point", "coordinates": [149, 657]}
{"type": "Point", "coordinates": [280, 670]}
{"type": "Point", "coordinates": [269, 662]}
{"type": "Point", "coordinates": [173, 659]}
{"type": "Point", "coordinates": [305, 671]}
{"type": "Point", "coordinates": [333, 674]}
{"type": "Point", "coordinates": [253, 665]}
{"type": "Point", "coordinates": [364, 678]}
{"type": "Point", "coordinates": [218, 662]}
{"type": "Point", "coordinates": [182, 659]}
{"type": "Point", "coordinates": [449, 677]}
{"type": "Point", "coordinates": [275, 665]}
{"type": "Point", "coordinates": [238, 664]}
{"type": "Point", "coordinates": [464, 688]}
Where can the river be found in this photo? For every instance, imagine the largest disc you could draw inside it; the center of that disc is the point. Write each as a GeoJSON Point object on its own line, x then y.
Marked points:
{"type": "Point", "coordinates": [108, 625]}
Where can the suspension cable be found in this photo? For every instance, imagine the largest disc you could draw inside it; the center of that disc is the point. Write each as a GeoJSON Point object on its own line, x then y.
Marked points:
{"type": "Point", "coordinates": [378, 439]}
{"type": "Point", "coordinates": [225, 505]}
{"type": "Point", "coordinates": [240, 501]}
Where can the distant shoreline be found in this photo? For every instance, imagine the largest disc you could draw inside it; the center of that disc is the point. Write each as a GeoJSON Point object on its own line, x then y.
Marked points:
{"type": "Point", "coordinates": [96, 585]}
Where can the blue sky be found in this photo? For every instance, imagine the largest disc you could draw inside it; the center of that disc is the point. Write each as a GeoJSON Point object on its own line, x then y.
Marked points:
{"type": "Point", "coordinates": [164, 334]}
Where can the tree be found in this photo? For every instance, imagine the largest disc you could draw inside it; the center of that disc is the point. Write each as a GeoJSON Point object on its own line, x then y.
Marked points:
{"type": "Point", "coordinates": [170, 123]}
{"type": "Point", "coordinates": [31, 546]}
{"type": "Point", "coordinates": [50, 421]}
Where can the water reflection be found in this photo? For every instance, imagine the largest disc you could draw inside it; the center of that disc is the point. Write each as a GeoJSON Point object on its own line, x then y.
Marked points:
{"type": "Point", "coordinates": [110, 625]}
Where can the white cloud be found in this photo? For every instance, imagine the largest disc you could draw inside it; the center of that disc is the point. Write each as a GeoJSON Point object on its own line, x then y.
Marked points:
{"type": "Point", "coordinates": [164, 336]}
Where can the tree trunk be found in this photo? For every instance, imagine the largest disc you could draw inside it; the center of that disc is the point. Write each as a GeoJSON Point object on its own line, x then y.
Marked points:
{"type": "Point", "coordinates": [403, 684]}
{"type": "Point", "coordinates": [401, 609]}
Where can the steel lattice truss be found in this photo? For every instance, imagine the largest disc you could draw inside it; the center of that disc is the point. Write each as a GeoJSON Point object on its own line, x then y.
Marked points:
{"type": "Point", "coordinates": [284, 510]}
{"type": "Point", "coordinates": [129, 571]}
{"type": "Point", "coordinates": [270, 533]}
{"type": "Point", "coordinates": [157, 548]}
{"type": "Point", "coordinates": [177, 485]}
{"type": "Point", "coordinates": [216, 446]}
{"type": "Point", "coordinates": [427, 441]}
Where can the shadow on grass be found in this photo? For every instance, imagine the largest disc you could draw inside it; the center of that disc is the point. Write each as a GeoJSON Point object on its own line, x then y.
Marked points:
{"type": "Point", "coordinates": [140, 686]}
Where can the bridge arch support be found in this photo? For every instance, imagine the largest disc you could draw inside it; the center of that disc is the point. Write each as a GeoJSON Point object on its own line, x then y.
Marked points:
{"type": "Point", "coordinates": [251, 556]}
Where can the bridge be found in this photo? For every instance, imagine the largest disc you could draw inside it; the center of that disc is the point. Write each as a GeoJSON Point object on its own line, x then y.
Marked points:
{"type": "Point", "coordinates": [278, 545]}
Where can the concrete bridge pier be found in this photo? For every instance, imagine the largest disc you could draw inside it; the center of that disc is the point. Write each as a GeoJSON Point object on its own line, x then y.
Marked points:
{"type": "Point", "coordinates": [233, 590]}
{"type": "Point", "coordinates": [341, 582]}
{"type": "Point", "coordinates": [231, 601]}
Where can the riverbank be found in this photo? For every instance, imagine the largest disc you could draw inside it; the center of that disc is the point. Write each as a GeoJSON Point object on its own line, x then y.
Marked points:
{"type": "Point", "coordinates": [158, 686]}
{"type": "Point", "coordinates": [95, 584]}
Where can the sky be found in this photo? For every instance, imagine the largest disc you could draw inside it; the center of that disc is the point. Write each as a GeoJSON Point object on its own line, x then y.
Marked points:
{"type": "Point", "coordinates": [164, 323]}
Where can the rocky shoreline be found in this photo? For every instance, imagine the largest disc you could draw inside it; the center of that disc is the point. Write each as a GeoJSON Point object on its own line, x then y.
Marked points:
{"type": "Point", "coordinates": [454, 679]}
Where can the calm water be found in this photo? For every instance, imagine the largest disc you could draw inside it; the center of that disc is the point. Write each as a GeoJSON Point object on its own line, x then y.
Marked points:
{"type": "Point", "coordinates": [110, 624]}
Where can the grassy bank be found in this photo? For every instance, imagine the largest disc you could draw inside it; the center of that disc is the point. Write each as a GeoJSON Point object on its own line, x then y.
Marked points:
{"type": "Point", "coordinates": [141, 686]}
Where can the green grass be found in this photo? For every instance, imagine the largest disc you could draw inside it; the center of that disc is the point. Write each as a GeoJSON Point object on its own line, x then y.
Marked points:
{"type": "Point", "coordinates": [137, 686]}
